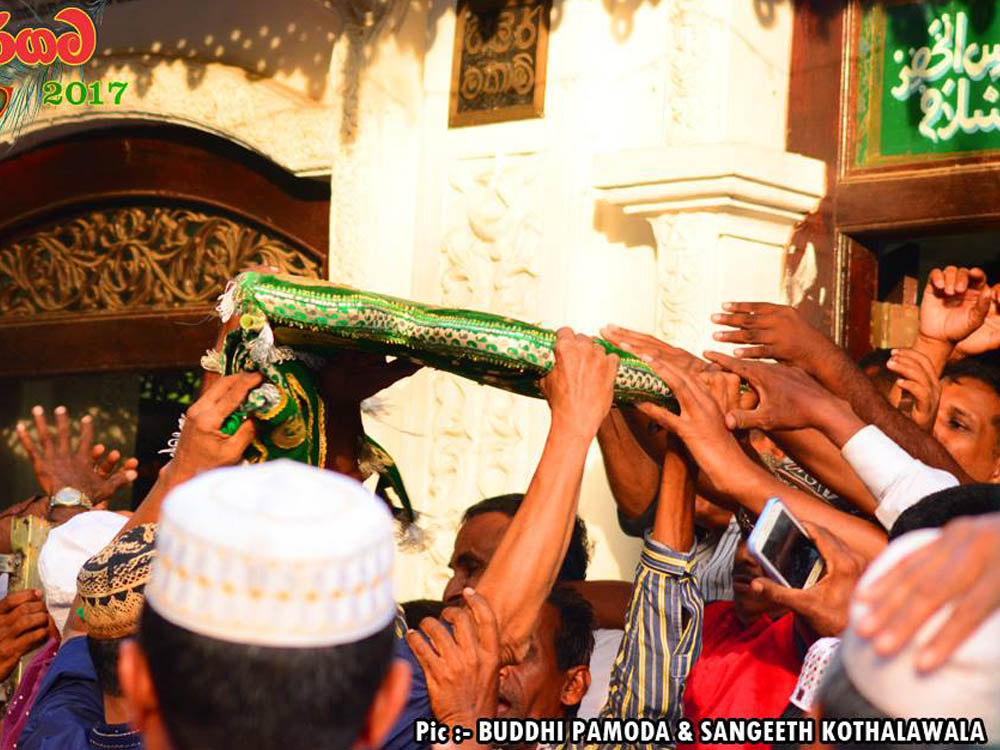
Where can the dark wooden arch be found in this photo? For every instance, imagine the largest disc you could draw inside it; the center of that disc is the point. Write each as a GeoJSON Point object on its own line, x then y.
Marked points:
{"type": "Point", "coordinates": [160, 169]}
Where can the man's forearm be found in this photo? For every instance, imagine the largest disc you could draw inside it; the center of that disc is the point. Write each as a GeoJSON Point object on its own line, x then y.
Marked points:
{"type": "Point", "coordinates": [843, 378]}
{"type": "Point", "coordinates": [633, 476]}
{"type": "Point", "coordinates": [344, 428]}
{"type": "Point", "coordinates": [674, 524]}
{"type": "Point", "coordinates": [817, 454]}
{"type": "Point", "coordinates": [525, 565]}
{"type": "Point", "coordinates": [757, 486]}
{"type": "Point", "coordinates": [149, 509]}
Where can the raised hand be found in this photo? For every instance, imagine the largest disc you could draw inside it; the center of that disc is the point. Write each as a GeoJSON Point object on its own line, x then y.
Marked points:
{"type": "Point", "coordinates": [788, 399]}
{"type": "Point", "coordinates": [724, 387]}
{"type": "Point", "coordinates": [57, 463]}
{"type": "Point", "coordinates": [919, 378]}
{"type": "Point", "coordinates": [24, 625]}
{"type": "Point", "coordinates": [961, 566]}
{"type": "Point", "coordinates": [649, 348]}
{"type": "Point", "coordinates": [202, 445]}
{"type": "Point", "coordinates": [772, 332]}
{"type": "Point", "coordinates": [986, 338]}
{"type": "Point", "coordinates": [824, 606]}
{"type": "Point", "coordinates": [955, 304]}
{"type": "Point", "coordinates": [462, 667]}
{"type": "Point", "coordinates": [580, 386]}
{"type": "Point", "coordinates": [700, 425]}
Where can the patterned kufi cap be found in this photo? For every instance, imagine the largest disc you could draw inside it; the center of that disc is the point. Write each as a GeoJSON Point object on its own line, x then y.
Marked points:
{"type": "Point", "coordinates": [277, 554]}
{"type": "Point", "coordinates": [112, 583]}
{"type": "Point", "coordinates": [814, 668]}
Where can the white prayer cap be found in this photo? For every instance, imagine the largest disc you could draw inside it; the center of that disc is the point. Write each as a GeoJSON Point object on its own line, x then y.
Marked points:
{"type": "Point", "coordinates": [278, 554]}
{"type": "Point", "coordinates": [66, 549]}
{"type": "Point", "coordinates": [814, 667]}
{"type": "Point", "coordinates": [967, 685]}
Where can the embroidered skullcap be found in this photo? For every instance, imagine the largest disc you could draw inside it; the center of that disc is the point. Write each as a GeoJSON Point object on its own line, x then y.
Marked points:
{"type": "Point", "coordinates": [112, 584]}
{"type": "Point", "coordinates": [814, 666]}
{"type": "Point", "coordinates": [277, 554]}
{"type": "Point", "coordinates": [967, 685]}
{"type": "Point", "coordinates": [67, 548]}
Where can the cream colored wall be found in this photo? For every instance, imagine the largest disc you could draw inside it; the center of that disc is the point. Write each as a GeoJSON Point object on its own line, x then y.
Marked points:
{"type": "Point", "coordinates": [599, 212]}
{"type": "Point", "coordinates": [254, 72]}
{"type": "Point", "coordinates": [655, 187]}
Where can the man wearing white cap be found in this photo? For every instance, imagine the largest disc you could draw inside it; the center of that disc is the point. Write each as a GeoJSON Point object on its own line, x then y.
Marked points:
{"type": "Point", "coordinates": [865, 682]}
{"type": "Point", "coordinates": [269, 615]}
{"type": "Point", "coordinates": [269, 611]}
{"type": "Point", "coordinates": [54, 709]}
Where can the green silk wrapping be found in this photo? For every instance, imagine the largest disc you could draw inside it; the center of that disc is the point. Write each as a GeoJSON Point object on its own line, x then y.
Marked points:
{"type": "Point", "coordinates": [286, 320]}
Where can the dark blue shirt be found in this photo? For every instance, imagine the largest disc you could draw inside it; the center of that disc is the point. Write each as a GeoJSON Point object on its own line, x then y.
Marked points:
{"type": "Point", "coordinates": [418, 705]}
{"type": "Point", "coordinates": [68, 703]}
{"type": "Point", "coordinates": [114, 737]}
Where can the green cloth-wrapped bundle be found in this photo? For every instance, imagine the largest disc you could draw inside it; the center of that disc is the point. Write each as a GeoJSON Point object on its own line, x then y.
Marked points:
{"type": "Point", "coordinates": [288, 323]}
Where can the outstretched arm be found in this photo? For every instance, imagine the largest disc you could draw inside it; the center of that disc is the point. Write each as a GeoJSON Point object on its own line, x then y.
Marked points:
{"type": "Point", "coordinates": [814, 451]}
{"type": "Point", "coordinates": [707, 437]}
{"type": "Point", "coordinates": [202, 445]}
{"type": "Point", "coordinates": [633, 475]}
{"type": "Point", "coordinates": [663, 630]}
{"type": "Point", "coordinates": [790, 399]}
{"type": "Point", "coordinates": [579, 390]}
{"type": "Point", "coordinates": [779, 332]}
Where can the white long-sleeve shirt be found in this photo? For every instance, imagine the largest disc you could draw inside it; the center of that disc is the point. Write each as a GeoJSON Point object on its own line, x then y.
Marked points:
{"type": "Point", "coordinates": [895, 478]}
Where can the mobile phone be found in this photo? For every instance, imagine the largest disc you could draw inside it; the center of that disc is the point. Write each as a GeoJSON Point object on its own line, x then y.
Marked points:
{"type": "Point", "coordinates": [783, 548]}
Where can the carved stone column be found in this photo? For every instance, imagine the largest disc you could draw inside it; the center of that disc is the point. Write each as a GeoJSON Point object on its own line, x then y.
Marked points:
{"type": "Point", "coordinates": [721, 216]}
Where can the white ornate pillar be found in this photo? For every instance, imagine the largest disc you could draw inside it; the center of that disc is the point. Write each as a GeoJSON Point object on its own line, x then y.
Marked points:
{"type": "Point", "coordinates": [721, 216]}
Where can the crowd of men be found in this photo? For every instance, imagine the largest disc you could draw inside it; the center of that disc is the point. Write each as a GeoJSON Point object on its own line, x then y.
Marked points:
{"type": "Point", "coordinates": [251, 606]}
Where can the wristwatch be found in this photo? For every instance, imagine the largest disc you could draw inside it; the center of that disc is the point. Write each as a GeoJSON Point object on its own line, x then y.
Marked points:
{"type": "Point", "coordinates": [70, 497]}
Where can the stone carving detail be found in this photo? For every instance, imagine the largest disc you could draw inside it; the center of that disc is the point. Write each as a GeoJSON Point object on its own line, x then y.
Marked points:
{"type": "Point", "coordinates": [681, 242]}
{"type": "Point", "coordinates": [365, 22]}
{"type": "Point", "coordinates": [451, 436]}
{"type": "Point", "coordinates": [696, 81]}
{"type": "Point", "coordinates": [130, 258]}
{"type": "Point", "coordinates": [490, 262]}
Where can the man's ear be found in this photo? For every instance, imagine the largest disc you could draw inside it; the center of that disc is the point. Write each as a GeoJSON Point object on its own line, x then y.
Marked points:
{"type": "Point", "coordinates": [137, 687]}
{"type": "Point", "coordinates": [575, 685]}
{"type": "Point", "coordinates": [390, 698]}
{"type": "Point", "coordinates": [995, 475]}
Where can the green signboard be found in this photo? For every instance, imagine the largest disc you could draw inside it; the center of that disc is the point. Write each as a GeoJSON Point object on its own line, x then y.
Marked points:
{"type": "Point", "coordinates": [928, 81]}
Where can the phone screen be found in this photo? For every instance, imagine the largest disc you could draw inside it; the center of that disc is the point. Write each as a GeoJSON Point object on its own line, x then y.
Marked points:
{"type": "Point", "coordinates": [790, 551]}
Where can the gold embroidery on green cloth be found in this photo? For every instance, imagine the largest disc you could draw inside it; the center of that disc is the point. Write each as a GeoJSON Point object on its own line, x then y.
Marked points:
{"type": "Point", "coordinates": [290, 323]}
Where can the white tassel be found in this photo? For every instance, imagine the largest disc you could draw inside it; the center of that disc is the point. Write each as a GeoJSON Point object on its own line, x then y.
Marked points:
{"type": "Point", "coordinates": [213, 361]}
{"type": "Point", "coordinates": [174, 438]}
{"type": "Point", "coordinates": [269, 393]}
{"type": "Point", "coordinates": [227, 301]}
{"type": "Point", "coordinates": [413, 538]}
{"type": "Point", "coordinates": [262, 348]}
{"type": "Point", "coordinates": [375, 406]}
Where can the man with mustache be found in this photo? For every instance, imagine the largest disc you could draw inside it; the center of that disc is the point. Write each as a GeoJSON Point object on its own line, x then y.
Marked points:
{"type": "Point", "coordinates": [565, 664]}
{"type": "Point", "coordinates": [661, 641]}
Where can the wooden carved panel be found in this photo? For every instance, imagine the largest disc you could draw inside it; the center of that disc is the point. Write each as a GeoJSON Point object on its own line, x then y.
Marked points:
{"type": "Point", "coordinates": [123, 259]}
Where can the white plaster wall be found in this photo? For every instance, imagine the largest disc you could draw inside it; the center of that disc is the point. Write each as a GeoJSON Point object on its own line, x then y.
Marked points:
{"type": "Point", "coordinates": [507, 218]}
{"type": "Point", "coordinates": [504, 217]}
{"type": "Point", "coordinates": [254, 72]}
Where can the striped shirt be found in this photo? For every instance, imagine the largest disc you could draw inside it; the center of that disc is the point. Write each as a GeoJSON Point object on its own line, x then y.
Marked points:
{"type": "Point", "coordinates": [714, 563]}
{"type": "Point", "coordinates": [662, 641]}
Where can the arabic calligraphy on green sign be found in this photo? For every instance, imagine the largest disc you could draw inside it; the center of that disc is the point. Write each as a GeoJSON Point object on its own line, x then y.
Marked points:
{"type": "Point", "coordinates": [928, 81]}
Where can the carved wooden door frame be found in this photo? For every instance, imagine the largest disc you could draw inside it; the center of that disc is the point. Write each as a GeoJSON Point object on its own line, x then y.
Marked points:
{"type": "Point", "coordinates": [115, 244]}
